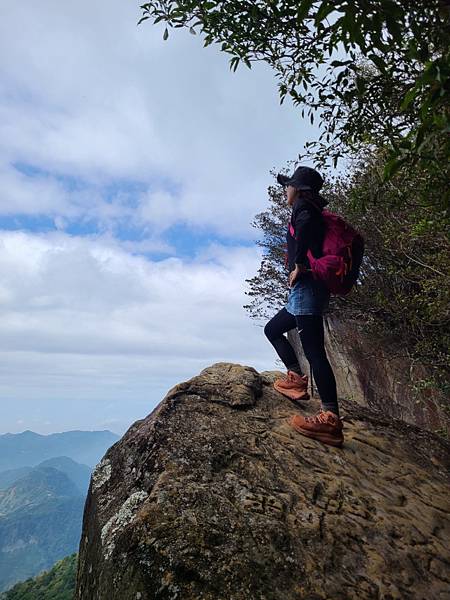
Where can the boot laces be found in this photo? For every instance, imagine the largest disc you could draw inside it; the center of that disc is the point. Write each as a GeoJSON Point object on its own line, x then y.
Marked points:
{"type": "Point", "coordinates": [319, 418]}
{"type": "Point", "coordinates": [292, 376]}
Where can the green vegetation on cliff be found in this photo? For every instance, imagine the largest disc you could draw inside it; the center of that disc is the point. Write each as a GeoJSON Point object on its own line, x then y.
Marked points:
{"type": "Point", "coordinates": [56, 584]}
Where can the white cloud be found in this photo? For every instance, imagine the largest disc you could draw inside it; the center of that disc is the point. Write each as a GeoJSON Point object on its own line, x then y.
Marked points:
{"type": "Point", "coordinates": [125, 130]}
{"type": "Point", "coordinates": [87, 93]}
{"type": "Point", "coordinates": [25, 195]}
{"type": "Point", "coordinates": [159, 208]}
{"type": "Point", "coordinates": [83, 320]}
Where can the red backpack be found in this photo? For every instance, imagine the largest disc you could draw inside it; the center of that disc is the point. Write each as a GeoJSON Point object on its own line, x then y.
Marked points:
{"type": "Point", "coordinates": [343, 250]}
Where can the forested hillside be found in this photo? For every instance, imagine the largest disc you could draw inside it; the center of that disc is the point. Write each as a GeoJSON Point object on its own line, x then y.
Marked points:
{"type": "Point", "coordinates": [41, 506]}
{"type": "Point", "coordinates": [56, 584]}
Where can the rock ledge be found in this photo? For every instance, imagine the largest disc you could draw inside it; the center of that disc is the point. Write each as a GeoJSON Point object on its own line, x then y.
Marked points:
{"type": "Point", "coordinates": [214, 497]}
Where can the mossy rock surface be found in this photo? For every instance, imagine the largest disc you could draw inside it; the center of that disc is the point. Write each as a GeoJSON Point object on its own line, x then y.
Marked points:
{"type": "Point", "coordinates": [213, 496]}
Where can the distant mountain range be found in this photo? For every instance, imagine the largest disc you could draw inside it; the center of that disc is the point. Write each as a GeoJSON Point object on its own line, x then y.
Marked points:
{"type": "Point", "coordinates": [77, 473]}
{"type": "Point", "coordinates": [41, 504]}
{"type": "Point", "coordinates": [28, 449]}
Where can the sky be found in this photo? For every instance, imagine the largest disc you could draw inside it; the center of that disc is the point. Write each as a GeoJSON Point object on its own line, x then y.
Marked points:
{"type": "Point", "coordinates": [131, 169]}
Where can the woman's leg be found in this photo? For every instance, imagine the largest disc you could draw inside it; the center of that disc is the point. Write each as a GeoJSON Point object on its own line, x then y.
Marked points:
{"type": "Point", "coordinates": [310, 328]}
{"type": "Point", "coordinates": [282, 322]}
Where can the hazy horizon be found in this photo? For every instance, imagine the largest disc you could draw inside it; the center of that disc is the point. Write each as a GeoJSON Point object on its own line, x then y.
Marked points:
{"type": "Point", "coordinates": [54, 432]}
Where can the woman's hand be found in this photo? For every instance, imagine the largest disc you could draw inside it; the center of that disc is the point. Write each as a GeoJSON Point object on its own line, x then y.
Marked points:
{"type": "Point", "coordinates": [293, 275]}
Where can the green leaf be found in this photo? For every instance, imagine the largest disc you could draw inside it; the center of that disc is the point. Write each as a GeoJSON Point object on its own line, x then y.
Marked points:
{"type": "Point", "coordinates": [166, 34]}
{"type": "Point", "coordinates": [360, 85]}
{"type": "Point", "coordinates": [392, 166]}
{"type": "Point", "coordinates": [394, 28]}
{"type": "Point", "coordinates": [234, 62]}
{"type": "Point", "coordinates": [325, 9]}
{"type": "Point", "coordinates": [303, 9]}
{"type": "Point", "coordinates": [409, 97]}
{"type": "Point", "coordinates": [378, 61]}
{"type": "Point", "coordinates": [340, 63]}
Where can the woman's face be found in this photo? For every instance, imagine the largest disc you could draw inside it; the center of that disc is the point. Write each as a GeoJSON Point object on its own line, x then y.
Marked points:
{"type": "Point", "coordinates": [291, 194]}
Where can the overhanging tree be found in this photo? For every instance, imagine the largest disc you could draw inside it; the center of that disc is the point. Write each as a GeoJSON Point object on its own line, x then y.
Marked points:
{"type": "Point", "coordinates": [371, 71]}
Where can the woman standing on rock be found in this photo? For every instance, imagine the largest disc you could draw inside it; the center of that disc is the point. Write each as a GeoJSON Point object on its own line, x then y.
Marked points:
{"type": "Point", "coordinates": [308, 298]}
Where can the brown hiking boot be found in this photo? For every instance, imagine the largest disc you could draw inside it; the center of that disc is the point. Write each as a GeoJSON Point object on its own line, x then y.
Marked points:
{"type": "Point", "coordinates": [295, 386]}
{"type": "Point", "coordinates": [325, 427]}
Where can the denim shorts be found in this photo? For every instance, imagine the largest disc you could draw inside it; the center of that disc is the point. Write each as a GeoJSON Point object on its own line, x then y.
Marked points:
{"type": "Point", "coordinates": [308, 297]}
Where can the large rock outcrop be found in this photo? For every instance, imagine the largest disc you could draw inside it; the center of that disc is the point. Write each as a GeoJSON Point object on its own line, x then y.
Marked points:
{"type": "Point", "coordinates": [214, 497]}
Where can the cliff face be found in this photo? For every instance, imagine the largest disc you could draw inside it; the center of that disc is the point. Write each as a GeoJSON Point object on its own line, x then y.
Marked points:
{"type": "Point", "coordinates": [214, 497]}
{"type": "Point", "coordinates": [373, 373]}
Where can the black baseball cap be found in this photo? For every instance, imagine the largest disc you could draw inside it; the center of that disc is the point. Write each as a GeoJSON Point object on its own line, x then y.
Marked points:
{"type": "Point", "coordinates": [303, 178]}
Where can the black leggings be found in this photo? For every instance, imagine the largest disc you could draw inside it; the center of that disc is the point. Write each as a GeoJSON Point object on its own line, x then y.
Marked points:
{"type": "Point", "coordinates": [310, 328]}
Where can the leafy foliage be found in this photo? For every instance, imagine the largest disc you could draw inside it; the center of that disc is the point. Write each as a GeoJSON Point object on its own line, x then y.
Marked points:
{"type": "Point", "coordinates": [370, 70]}
{"type": "Point", "coordinates": [55, 584]}
{"type": "Point", "coordinates": [405, 289]}
{"type": "Point", "coordinates": [269, 288]}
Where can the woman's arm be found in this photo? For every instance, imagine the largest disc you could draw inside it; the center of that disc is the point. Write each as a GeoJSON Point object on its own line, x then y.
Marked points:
{"type": "Point", "coordinates": [293, 275]}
